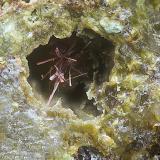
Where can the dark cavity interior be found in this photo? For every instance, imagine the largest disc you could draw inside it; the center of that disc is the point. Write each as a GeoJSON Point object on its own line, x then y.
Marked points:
{"type": "Point", "coordinates": [89, 58]}
{"type": "Point", "coordinates": [87, 153]}
{"type": "Point", "coordinates": [27, 1]}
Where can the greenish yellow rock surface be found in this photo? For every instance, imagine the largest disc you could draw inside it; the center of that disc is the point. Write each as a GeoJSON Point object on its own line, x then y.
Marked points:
{"type": "Point", "coordinates": [128, 127]}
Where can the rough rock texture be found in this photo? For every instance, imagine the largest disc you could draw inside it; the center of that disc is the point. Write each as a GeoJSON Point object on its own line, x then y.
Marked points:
{"type": "Point", "coordinates": [129, 124]}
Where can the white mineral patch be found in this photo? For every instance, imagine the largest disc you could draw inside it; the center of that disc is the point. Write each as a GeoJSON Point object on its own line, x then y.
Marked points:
{"type": "Point", "coordinates": [111, 26]}
{"type": "Point", "coordinates": [32, 114]}
{"type": "Point", "coordinates": [9, 27]}
{"type": "Point", "coordinates": [30, 34]}
{"type": "Point", "coordinates": [33, 1]}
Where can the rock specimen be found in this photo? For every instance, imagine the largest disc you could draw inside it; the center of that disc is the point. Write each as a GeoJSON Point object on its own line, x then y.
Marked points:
{"type": "Point", "coordinates": [113, 112]}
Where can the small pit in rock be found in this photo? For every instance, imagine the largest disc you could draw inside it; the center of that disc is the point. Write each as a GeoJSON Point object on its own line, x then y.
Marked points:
{"type": "Point", "coordinates": [27, 1]}
{"type": "Point", "coordinates": [68, 66]}
{"type": "Point", "coordinates": [88, 153]}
